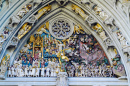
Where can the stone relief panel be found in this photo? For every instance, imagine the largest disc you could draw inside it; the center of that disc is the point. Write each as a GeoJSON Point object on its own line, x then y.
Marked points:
{"type": "Point", "coordinates": [79, 55]}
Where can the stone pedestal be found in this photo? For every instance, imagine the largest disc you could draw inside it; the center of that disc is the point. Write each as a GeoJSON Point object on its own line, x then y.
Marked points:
{"type": "Point", "coordinates": [62, 79]}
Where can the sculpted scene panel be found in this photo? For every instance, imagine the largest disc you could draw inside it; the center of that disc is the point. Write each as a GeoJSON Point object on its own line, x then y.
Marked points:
{"type": "Point", "coordinates": [80, 55]}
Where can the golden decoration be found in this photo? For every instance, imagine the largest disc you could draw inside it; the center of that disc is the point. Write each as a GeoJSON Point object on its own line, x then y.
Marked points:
{"type": "Point", "coordinates": [24, 30]}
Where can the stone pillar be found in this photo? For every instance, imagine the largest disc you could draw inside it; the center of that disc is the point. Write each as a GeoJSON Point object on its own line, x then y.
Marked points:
{"type": "Point", "coordinates": [62, 79]}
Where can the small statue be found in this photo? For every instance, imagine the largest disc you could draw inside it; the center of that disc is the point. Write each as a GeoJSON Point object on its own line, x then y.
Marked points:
{"type": "Point", "coordinates": [21, 72]}
{"type": "Point", "coordinates": [24, 10]}
{"type": "Point", "coordinates": [100, 31]}
{"type": "Point", "coordinates": [86, 73]}
{"type": "Point", "coordinates": [33, 72]}
{"type": "Point", "coordinates": [9, 72]}
{"type": "Point", "coordinates": [78, 29]}
{"type": "Point", "coordinates": [24, 30]}
{"type": "Point", "coordinates": [82, 72]}
{"type": "Point", "coordinates": [72, 71]}
{"type": "Point", "coordinates": [26, 71]}
{"type": "Point", "coordinates": [4, 65]}
{"type": "Point", "coordinates": [80, 12]}
{"type": "Point", "coordinates": [101, 13]}
{"type": "Point", "coordinates": [47, 72]}
{"type": "Point", "coordinates": [56, 70]}
{"type": "Point", "coordinates": [96, 71]}
{"type": "Point", "coordinates": [52, 72]}
{"type": "Point", "coordinates": [37, 72]}
{"type": "Point", "coordinates": [122, 39]}
{"type": "Point", "coordinates": [42, 71]}
{"type": "Point", "coordinates": [12, 69]}
{"type": "Point", "coordinates": [43, 11]}
{"type": "Point", "coordinates": [30, 71]}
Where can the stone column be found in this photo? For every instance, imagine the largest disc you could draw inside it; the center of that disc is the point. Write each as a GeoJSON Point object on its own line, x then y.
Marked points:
{"type": "Point", "coordinates": [62, 79]}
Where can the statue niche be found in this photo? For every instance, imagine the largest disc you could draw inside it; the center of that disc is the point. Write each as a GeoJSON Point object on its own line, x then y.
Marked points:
{"type": "Point", "coordinates": [37, 46]}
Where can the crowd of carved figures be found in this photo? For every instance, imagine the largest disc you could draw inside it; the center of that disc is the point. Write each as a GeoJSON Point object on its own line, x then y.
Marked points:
{"type": "Point", "coordinates": [50, 68]}
{"type": "Point", "coordinates": [80, 55]}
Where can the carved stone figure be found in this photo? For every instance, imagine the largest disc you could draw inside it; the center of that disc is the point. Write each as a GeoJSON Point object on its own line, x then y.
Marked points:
{"type": "Point", "coordinates": [78, 29]}
{"type": "Point", "coordinates": [30, 71]}
{"type": "Point", "coordinates": [42, 72]}
{"type": "Point", "coordinates": [4, 65]}
{"type": "Point", "coordinates": [80, 12]}
{"type": "Point", "coordinates": [25, 29]}
{"type": "Point", "coordinates": [33, 72]}
{"type": "Point", "coordinates": [52, 72]}
{"type": "Point", "coordinates": [43, 11]}
{"type": "Point", "coordinates": [24, 10]}
{"type": "Point", "coordinates": [48, 72]}
{"type": "Point", "coordinates": [26, 71]}
{"type": "Point", "coordinates": [62, 79]}
{"type": "Point", "coordinates": [9, 72]}
{"type": "Point", "coordinates": [100, 31]}
{"type": "Point", "coordinates": [122, 40]}
{"type": "Point", "coordinates": [21, 72]}
{"type": "Point", "coordinates": [37, 72]}
{"type": "Point", "coordinates": [101, 13]}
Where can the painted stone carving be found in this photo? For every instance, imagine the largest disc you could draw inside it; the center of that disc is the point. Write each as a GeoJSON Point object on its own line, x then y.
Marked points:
{"type": "Point", "coordinates": [42, 11]}
{"type": "Point", "coordinates": [118, 68]}
{"type": "Point", "coordinates": [99, 11]}
{"type": "Point", "coordinates": [4, 66]}
{"type": "Point", "coordinates": [79, 11]}
{"type": "Point", "coordinates": [24, 30]}
{"type": "Point", "coordinates": [122, 40]}
{"type": "Point", "coordinates": [80, 55]}
{"type": "Point", "coordinates": [98, 28]}
{"type": "Point", "coordinates": [24, 10]}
